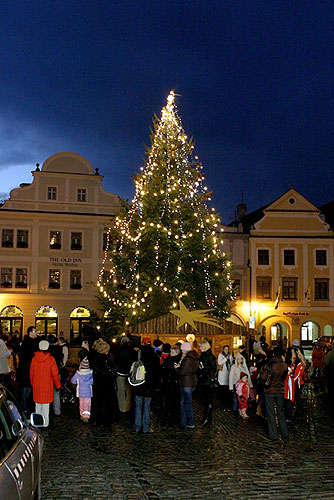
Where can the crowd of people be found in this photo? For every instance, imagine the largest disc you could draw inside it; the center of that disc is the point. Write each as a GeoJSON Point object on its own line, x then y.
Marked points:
{"type": "Point", "coordinates": [263, 381]}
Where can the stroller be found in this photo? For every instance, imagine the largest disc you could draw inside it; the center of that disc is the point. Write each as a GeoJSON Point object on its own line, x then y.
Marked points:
{"type": "Point", "coordinates": [66, 394]}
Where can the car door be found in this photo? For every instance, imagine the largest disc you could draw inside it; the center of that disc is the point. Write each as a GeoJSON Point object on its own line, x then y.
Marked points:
{"type": "Point", "coordinates": [17, 460]}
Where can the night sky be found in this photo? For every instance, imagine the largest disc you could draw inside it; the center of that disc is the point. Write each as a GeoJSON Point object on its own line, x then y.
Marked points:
{"type": "Point", "coordinates": [255, 80]}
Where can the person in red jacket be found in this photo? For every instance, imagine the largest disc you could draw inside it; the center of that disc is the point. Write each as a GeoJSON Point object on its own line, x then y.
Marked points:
{"type": "Point", "coordinates": [43, 375]}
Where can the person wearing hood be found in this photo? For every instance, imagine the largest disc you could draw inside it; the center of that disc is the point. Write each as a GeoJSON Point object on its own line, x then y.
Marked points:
{"type": "Point", "coordinates": [186, 370]}
{"type": "Point", "coordinates": [44, 376]}
{"type": "Point", "coordinates": [236, 369]}
{"type": "Point", "coordinates": [83, 378]}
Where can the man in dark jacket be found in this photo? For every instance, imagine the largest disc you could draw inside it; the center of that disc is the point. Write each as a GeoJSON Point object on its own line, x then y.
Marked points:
{"type": "Point", "coordinates": [273, 375]}
{"type": "Point", "coordinates": [27, 350]}
{"type": "Point", "coordinates": [124, 357]}
{"type": "Point", "coordinates": [186, 371]}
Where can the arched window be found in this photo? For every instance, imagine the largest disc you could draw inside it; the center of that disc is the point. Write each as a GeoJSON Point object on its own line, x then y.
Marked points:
{"type": "Point", "coordinates": [11, 320]}
{"type": "Point", "coordinates": [46, 321]}
{"type": "Point", "coordinates": [80, 316]}
{"type": "Point", "coordinates": [309, 331]}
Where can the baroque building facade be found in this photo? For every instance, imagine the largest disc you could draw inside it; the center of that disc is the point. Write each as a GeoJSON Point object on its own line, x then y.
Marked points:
{"type": "Point", "coordinates": [283, 257]}
{"type": "Point", "coordinates": [53, 232]}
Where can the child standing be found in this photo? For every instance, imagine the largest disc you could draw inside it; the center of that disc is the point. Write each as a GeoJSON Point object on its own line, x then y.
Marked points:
{"type": "Point", "coordinates": [242, 390]}
{"type": "Point", "coordinates": [84, 380]}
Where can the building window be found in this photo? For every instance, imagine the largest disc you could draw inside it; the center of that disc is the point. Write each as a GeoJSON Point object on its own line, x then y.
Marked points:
{"type": "Point", "coordinates": [263, 288]}
{"type": "Point", "coordinates": [52, 193]}
{"type": "Point", "coordinates": [55, 240]}
{"type": "Point", "coordinates": [236, 284]}
{"type": "Point", "coordinates": [21, 278]}
{"type": "Point", "coordinates": [54, 278]}
{"type": "Point", "coordinates": [289, 257]}
{"type": "Point", "coordinates": [321, 257]}
{"type": "Point", "coordinates": [7, 238]}
{"type": "Point", "coordinates": [6, 277]}
{"type": "Point", "coordinates": [263, 257]}
{"type": "Point", "coordinates": [76, 241]}
{"type": "Point", "coordinates": [321, 289]}
{"type": "Point", "coordinates": [289, 288]}
{"type": "Point", "coordinates": [75, 279]}
{"type": "Point", "coordinates": [81, 195]}
{"type": "Point", "coordinates": [22, 238]}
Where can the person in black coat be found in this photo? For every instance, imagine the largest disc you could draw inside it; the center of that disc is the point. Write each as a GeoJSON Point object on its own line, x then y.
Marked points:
{"type": "Point", "coordinates": [207, 375]}
{"type": "Point", "coordinates": [144, 392]}
{"type": "Point", "coordinates": [27, 351]}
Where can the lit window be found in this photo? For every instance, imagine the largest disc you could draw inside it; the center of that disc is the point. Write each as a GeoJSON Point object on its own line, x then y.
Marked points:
{"type": "Point", "coordinates": [7, 238]}
{"type": "Point", "coordinates": [21, 278]}
{"type": "Point", "coordinates": [81, 195]}
{"type": "Point", "coordinates": [55, 240]}
{"type": "Point", "coordinates": [321, 257]}
{"type": "Point", "coordinates": [54, 278]}
{"type": "Point", "coordinates": [22, 238]}
{"type": "Point", "coordinates": [289, 257]}
{"type": "Point", "coordinates": [289, 288]}
{"type": "Point", "coordinates": [75, 279]}
{"type": "Point", "coordinates": [76, 241]}
{"type": "Point", "coordinates": [321, 289]}
{"type": "Point", "coordinates": [6, 277]}
{"type": "Point", "coordinates": [52, 193]}
{"type": "Point", "coordinates": [263, 288]}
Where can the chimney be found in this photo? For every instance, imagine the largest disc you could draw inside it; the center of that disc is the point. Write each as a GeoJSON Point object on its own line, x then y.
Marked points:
{"type": "Point", "coordinates": [241, 211]}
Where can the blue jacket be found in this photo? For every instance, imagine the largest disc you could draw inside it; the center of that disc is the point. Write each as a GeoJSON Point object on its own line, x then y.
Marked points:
{"type": "Point", "coordinates": [84, 381]}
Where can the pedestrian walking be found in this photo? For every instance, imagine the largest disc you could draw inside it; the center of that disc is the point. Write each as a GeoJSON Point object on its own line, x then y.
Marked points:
{"type": "Point", "coordinates": [225, 362]}
{"type": "Point", "coordinates": [83, 379]}
{"type": "Point", "coordinates": [186, 370]}
{"type": "Point", "coordinates": [27, 350]}
{"type": "Point", "coordinates": [207, 376]}
{"type": "Point", "coordinates": [273, 374]}
{"type": "Point", "coordinates": [144, 392]}
{"type": "Point", "coordinates": [44, 376]}
{"type": "Point", "coordinates": [4, 367]}
{"type": "Point", "coordinates": [242, 389]}
{"type": "Point", "coordinates": [124, 357]}
{"type": "Point", "coordinates": [236, 369]}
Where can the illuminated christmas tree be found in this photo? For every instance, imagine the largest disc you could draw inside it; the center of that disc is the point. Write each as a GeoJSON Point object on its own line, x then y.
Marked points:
{"type": "Point", "coordinates": [167, 244]}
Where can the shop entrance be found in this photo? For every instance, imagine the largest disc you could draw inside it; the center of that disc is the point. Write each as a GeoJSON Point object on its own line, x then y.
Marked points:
{"type": "Point", "coordinates": [11, 320]}
{"type": "Point", "coordinates": [279, 335]}
{"type": "Point", "coordinates": [309, 331]}
{"type": "Point", "coordinates": [80, 316]}
{"type": "Point", "coordinates": [46, 321]}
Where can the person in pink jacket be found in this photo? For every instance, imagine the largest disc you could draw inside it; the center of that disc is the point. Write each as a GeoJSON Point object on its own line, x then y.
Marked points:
{"type": "Point", "coordinates": [43, 375]}
{"type": "Point", "coordinates": [242, 390]}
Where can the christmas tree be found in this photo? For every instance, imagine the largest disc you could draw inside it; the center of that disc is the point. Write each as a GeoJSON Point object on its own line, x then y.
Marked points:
{"type": "Point", "coordinates": [166, 245]}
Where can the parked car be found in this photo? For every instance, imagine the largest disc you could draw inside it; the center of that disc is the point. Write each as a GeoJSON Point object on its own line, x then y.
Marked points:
{"type": "Point", "coordinates": [325, 341]}
{"type": "Point", "coordinates": [20, 452]}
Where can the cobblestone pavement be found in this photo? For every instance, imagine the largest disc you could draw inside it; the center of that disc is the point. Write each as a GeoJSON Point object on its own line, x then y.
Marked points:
{"type": "Point", "coordinates": [231, 460]}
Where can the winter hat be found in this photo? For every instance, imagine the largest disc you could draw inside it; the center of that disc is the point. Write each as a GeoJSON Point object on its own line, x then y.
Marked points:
{"type": "Point", "coordinates": [243, 374]}
{"type": "Point", "coordinates": [84, 365]}
{"type": "Point", "coordinates": [101, 346]}
{"type": "Point", "coordinates": [295, 342]}
{"type": "Point", "coordinates": [146, 340]}
{"type": "Point", "coordinates": [43, 345]}
{"type": "Point", "coordinates": [124, 339]}
{"type": "Point", "coordinates": [186, 346]}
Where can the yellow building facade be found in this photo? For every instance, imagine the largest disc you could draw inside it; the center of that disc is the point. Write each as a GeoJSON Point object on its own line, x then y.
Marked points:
{"type": "Point", "coordinates": [53, 232]}
{"type": "Point", "coordinates": [289, 273]}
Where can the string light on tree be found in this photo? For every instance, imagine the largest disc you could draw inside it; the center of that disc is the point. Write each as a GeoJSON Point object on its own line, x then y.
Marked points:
{"type": "Point", "coordinates": [167, 242]}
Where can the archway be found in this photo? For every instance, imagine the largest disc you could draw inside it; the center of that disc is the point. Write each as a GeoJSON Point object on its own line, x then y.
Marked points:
{"type": "Point", "coordinates": [279, 334]}
{"type": "Point", "coordinates": [309, 331]}
{"type": "Point", "coordinates": [234, 318]}
{"type": "Point", "coordinates": [46, 321]}
{"type": "Point", "coordinates": [11, 320]}
{"type": "Point", "coordinates": [79, 317]}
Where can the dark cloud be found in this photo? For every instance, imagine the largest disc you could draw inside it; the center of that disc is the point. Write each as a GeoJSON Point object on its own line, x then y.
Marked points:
{"type": "Point", "coordinates": [255, 79]}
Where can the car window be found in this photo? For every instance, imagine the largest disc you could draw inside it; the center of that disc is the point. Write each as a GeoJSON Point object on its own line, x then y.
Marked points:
{"type": "Point", "coordinates": [7, 438]}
